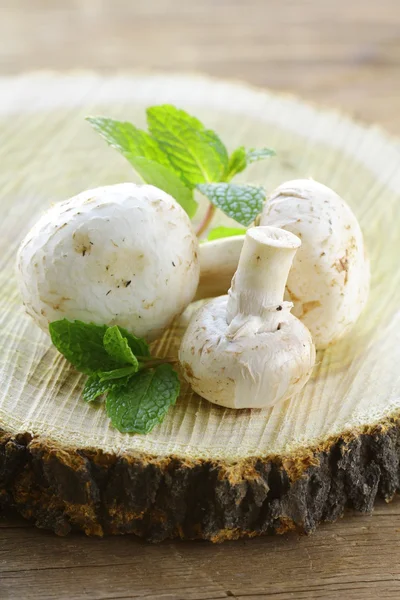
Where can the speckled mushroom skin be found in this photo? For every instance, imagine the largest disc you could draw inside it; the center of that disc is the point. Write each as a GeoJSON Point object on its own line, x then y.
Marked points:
{"type": "Point", "coordinates": [246, 350]}
{"type": "Point", "coordinates": [117, 255]}
{"type": "Point", "coordinates": [329, 280]}
{"type": "Point", "coordinates": [255, 371]}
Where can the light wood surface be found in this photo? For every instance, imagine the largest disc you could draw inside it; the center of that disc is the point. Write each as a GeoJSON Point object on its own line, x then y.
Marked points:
{"type": "Point", "coordinates": [342, 54]}
{"type": "Point", "coordinates": [355, 382]}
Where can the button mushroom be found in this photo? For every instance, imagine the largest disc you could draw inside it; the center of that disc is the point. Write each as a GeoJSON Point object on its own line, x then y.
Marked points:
{"type": "Point", "coordinates": [123, 254]}
{"type": "Point", "coordinates": [329, 280]}
{"type": "Point", "coordinates": [246, 350]}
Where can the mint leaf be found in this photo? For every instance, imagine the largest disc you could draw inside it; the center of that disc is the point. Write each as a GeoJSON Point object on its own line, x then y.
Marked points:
{"type": "Point", "coordinates": [139, 346]}
{"type": "Point", "coordinates": [237, 162]}
{"type": "Point", "coordinates": [254, 155]}
{"type": "Point", "coordinates": [146, 157]}
{"type": "Point", "coordinates": [240, 202]}
{"type": "Point", "coordinates": [95, 387]}
{"type": "Point", "coordinates": [196, 153]}
{"type": "Point", "coordinates": [241, 158]}
{"type": "Point", "coordinates": [129, 140]}
{"type": "Point", "coordinates": [144, 401]}
{"type": "Point", "coordinates": [119, 373]}
{"type": "Point", "coordinates": [155, 174]}
{"type": "Point", "coordinates": [117, 346]}
{"type": "Point", "coordinates": [82, 345]}
{"type": "Point", "coordinates": [223, 232]}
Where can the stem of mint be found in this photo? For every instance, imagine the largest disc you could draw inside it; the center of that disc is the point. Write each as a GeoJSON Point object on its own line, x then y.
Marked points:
{"type": "Point", "coordinates": [149, 363]}
{"type": "Point", "coordinates": [206, 222]}
{"type": "Point", "coordinates": [139, 388]}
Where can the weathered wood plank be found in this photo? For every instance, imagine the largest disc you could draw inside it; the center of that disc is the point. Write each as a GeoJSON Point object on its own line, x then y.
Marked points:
{"type": "Point", "coordinates": [355, 558]}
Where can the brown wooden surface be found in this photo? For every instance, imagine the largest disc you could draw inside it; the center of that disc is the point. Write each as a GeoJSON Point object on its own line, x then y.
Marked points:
{"type": "Point", "coordinates": [341, 53]}
{"type": "Point", "coordinates": [355, 558]}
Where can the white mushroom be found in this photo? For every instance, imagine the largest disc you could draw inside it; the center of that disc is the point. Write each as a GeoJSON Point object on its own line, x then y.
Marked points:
{"type": "Point", "coordinates": [329, 280]}
{"type": "Point", "coordinates": [218, 262]}
{"type": "Point", "coordinates": [123, 254]}
{"type": "Point", "coordinates": [246, 350]}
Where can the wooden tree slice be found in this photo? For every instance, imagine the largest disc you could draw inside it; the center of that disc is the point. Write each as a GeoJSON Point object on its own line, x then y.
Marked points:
{"type": "Point", "coordinates": [205, 472]}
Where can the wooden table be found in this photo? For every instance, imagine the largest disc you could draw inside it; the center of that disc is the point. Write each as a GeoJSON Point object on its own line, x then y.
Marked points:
{"type": "Point", "coordinates": [344, 54]}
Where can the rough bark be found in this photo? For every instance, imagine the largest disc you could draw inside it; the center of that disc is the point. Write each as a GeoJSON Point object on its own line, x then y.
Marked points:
{"type": "Point", "coordinates": [66, 489]}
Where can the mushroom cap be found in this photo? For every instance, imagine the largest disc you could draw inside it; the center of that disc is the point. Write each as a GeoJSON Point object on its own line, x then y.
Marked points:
{"type": "Point", "coordinates": [250, 369]}
{"type": "Point", "coordinates": [329, 280]}
{"type": "Point", "coordinates": [123, 254]}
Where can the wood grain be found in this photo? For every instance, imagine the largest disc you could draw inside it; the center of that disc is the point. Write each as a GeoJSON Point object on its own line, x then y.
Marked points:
{"type": "Point", "coordinates": [295, 464]}
{"type": "Point", "coordinates": [341, 53]}
{"type": "Point", "coordinates": [354, 559]}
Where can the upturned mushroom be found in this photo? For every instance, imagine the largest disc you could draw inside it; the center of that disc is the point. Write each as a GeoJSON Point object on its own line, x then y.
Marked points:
{"type": "Point", "coordinates": [329, 280]}
{"type": "Point", "coordinates": [123, 254]}
{"type": "Point", "coordinates": [246, 350]}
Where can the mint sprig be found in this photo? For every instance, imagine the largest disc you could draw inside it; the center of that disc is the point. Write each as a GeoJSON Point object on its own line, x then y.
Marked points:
{"type": "Point", "coordinates": [179, 154]}
{"type": "Point", "coordinates": [140, 389]}
{"type": "Point", "coordinates": [240, 202]}
{"type": "Point", "coordinates": [138, 406]}
{"type": "Point", "coordinates": [82, 345]}
{"type": "Point", "coordinates": [130, 141]}
{"type": "Point", "coordinates": [119, 373]}
{"type": "Point", "coordinates": [95, 388]}
{"type": "Point", "coordinates": [242, 158]}
{"type": "Point", "coordinates": [195, 152]}
{"type": "Point", "coordinates": [116, 345]}
{"type": "Point", "coordinates": [147, 158]}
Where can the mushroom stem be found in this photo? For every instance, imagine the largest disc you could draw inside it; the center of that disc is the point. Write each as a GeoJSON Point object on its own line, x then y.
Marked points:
{"type": "Point", "coordinates": [218, 263]}
{"type": "Point", "coordinates": [259, 282]}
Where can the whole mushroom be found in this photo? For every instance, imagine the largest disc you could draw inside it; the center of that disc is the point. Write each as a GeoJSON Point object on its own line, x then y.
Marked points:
{"type": "Point", "coordinates": [123, 254]}
{"type": "Point", "coordinates": [329, 280]}
{"type": "Point", "coordinates": [246, 350]}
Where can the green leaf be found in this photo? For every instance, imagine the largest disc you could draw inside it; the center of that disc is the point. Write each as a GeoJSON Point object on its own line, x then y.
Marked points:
{"type": "Point", "coordinates": [196, 153]}
{"type": "Point", "coordinates": [117, 346]}
{"type": "Point", "coordinates": [129, 140]}
{"type": "Point", "coordinates": [165, 179]}
{"type": "Point", "coordinates": [139, 346]}
{"type": "Point", "coordinates": [223, 232]}
{"type": "Point", "coordinates": [147, 158]}
{"type": "Point", "coordinates": [237, 162]}
{"type": "Point", "coordinates": [240, 202]}
{"type": "Point", "coordinates": [241, 158]}
{"type": "Point", "coordinates": [119, 373]}
{"type": "Point", "coordinates": [144, 402]}
{"type": "Point", "coordinates": [254, 155]}
{"type": "Point", "coordinates": [82, 345]}
{"type": "Point", "coordinates": [95, 387]}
